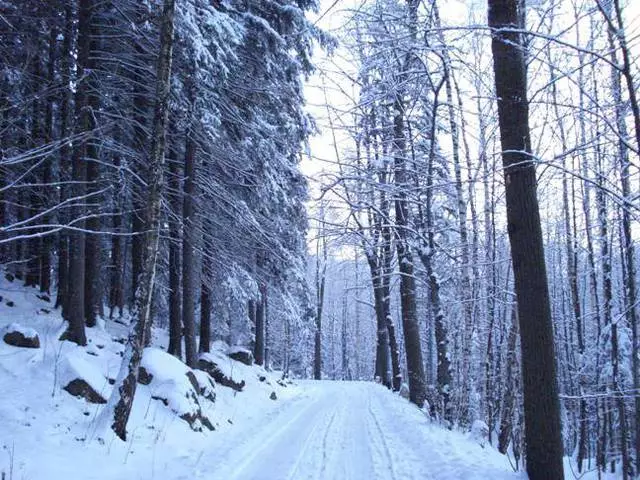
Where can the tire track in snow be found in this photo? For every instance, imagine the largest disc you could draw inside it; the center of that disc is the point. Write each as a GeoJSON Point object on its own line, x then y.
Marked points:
{"type": "Point", "coordinates": [381, 441]}
{"type": "Point", "coordinates": [325, 458]}
{"type": "Point", "coordinates": [310, 437]}
{"type": "Point", "coordinates": [253, 448]}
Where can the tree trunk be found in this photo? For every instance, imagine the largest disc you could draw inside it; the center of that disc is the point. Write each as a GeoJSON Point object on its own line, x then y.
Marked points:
{"type": "Point", "coordinates": [443, 370]}
{"type": "Point", "coordinates": [116, 289]}
{"type": "Point", "coordinates": [189, 245]}
{"type": "Point", "coordinates": [140, 139]}
{"type": "Point", "coordinates": [465, 284]}
{"type": "Point", "coordinates": [382, 334]}
{"type": "Point", "coordinates": [205, 318]}
{"type": "Point", "coordinates": [387, 270]}
{"type": "Point", "coordinates": [76, 306]}
{"type": "Point", "coordinates": [93, 250]}
{"type": "Point", "coordinates": [62, 298]}
{"type": "Point", "coordinates": [410, 326]}
{"type": "Point", "coordinates": [265, 301]}
{"type": "Point", "coordinates": [345, 373]}
{"type": "Point", "coordinates": [251, 313]}
{"type": "Point", "coordinates": [205, 292]}
{"type": "Point", "coordinates": [35, 202]}
{"type": "Point", "coordinates": [258, 352]}
{"type": "Point", "coordinates": [509, 401]}
{"type": "Point", "coordinates": [121, 400]}
{"type": "Point", "coordinates": [321, 274]}
{"type": "Point", "coordinates": [544, 449]}
{"type": "Point", "coordinates": [175, 312]}
{"type": "Point", "coordinates": [627, 238]}
{"type": "Point", "coordinates": [47, 174]}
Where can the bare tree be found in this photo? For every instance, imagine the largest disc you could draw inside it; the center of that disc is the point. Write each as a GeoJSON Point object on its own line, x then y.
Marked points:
{"type": "Point", "coordinates": [541, 402]}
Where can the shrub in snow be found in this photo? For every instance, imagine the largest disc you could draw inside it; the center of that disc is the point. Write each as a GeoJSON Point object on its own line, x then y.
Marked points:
{"type": "Point", "coordinates": [206, 386]}
{"type": "Point", "coordinates": [404, 391]}
{"type": "Point", "coordinates": [208, 364]}
{"type": "Point", "coordinates": [19, 336]}
{"type": "Point", "coordinates": [82, 380]}
{"type": "Point", "coordinates": [175, 385]}
{"type": "Point", "coordinates": [479, 432]}
{"type": "Point", "coordinates": [241, 354]}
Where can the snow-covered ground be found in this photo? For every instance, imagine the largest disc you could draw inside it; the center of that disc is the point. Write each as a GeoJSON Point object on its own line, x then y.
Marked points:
{"type": "Point", "coordinates": [349, 430]}
{"type": "Point", "coordinates": [47, 434]}
{"type": "Point", "coordinates": [312, 430]}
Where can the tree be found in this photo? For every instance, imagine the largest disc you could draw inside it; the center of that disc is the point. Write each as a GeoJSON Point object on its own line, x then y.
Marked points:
{"type": "Point", "coordinates": [119, 406]}
{"type": "Point", "coordinates": [541, 403]}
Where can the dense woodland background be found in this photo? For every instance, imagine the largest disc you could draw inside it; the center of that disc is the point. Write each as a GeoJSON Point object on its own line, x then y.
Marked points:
{"type": "Point", "coordinates": [406, 274]}
{"type": "Point", "coordinates": [78, 85]}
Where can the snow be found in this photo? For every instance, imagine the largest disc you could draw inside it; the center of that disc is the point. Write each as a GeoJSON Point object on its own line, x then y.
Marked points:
{"type": "Point", "coordinates": [170, 382]}
{"type": "Point", "coordinates": [236, 371]}
{"type": "Point", "coordinates": [39, 416]}
{"type": "Point", "coordinates": [350, 430]}
{"type": "Point", "coordinates": [73, 366]}
{"type": "Point", "coordinates": [163, 367]}
{"type": "Point", "coordinates": [25, 331]}
{"type": "Point", "coordinates": [321, 430]}
{"type": "Point", "coordinates": [236, 349]}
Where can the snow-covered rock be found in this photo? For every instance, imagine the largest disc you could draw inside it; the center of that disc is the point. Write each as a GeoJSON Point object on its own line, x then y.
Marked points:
{"type": "Point", "coordinates": [212, 365]}
{"type": "Point", "coordinates": [241, 354]}
{"type": "Point", "coordinates": [20, 336]}
{"type": "Point", "coordinates": [175, 385]}
{"type": "Point", "coordinates": [82, 379]}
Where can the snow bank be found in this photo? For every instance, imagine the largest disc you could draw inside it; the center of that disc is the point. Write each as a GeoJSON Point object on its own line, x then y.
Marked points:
{"type": "Point", "coordinates": [20, 336]}
{"type": "Point", "coordinates": [83, 379]}
{"type": "Point", "coordinates": [40, 416]}
{"type": "Point", "coordinates": [173, 383]}
{"type": "Point", "coordinates": [26, 332]}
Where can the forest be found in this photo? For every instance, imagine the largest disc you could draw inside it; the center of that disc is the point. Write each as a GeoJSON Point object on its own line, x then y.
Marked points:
{"type": "Point", "coordinates": [441, 197]}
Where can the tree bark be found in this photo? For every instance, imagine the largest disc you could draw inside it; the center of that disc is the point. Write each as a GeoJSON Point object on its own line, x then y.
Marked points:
{"type": "Point", "coordinates": [93, 250]}
{"type": "Point", "coordinates": [509, 400]}
{"type": "Point", "coordinates": [121, 400]}
{"type": "Point", "coordinates": [382, 334]}
{"type": "Point", "coordinates": [541, 403]}
{"type": "Point", "coordinates": [465, 285]}
{"type": "Point", "coordinates": [387, 269]}
{"type": "Point", "coordinates": [116, 288]}
{"type": "Point", "coordinates": [62, 298]}
{"type": "Point", "coordinates": [321, 274]}
{"type": "Point", "coordinates": [627, 238]}
{"type": "Point", "coordinates": [140, 109]}
{"type": "Point", "coordinates": [76, 306]}
{"type": "Point", "coordinates": [189, 245]}
{"type": "Point", "coordinates": [175, 240]}
{"type": "Point", "coordinates": [47, 174]}
{"type": "Point", "coordinates": [205, 318]}
{"type": "Point", "coordinates": [410, 327]}
{"type": "Point", "coordinates": [258, 351]}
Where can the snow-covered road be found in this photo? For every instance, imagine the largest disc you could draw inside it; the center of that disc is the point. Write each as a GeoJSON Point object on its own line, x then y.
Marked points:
{"type": "Point", "coordinates": [348, 430]}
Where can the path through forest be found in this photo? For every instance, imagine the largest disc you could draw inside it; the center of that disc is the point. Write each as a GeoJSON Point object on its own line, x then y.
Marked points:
{"type": "Point", "coordinates": [348, 430]}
